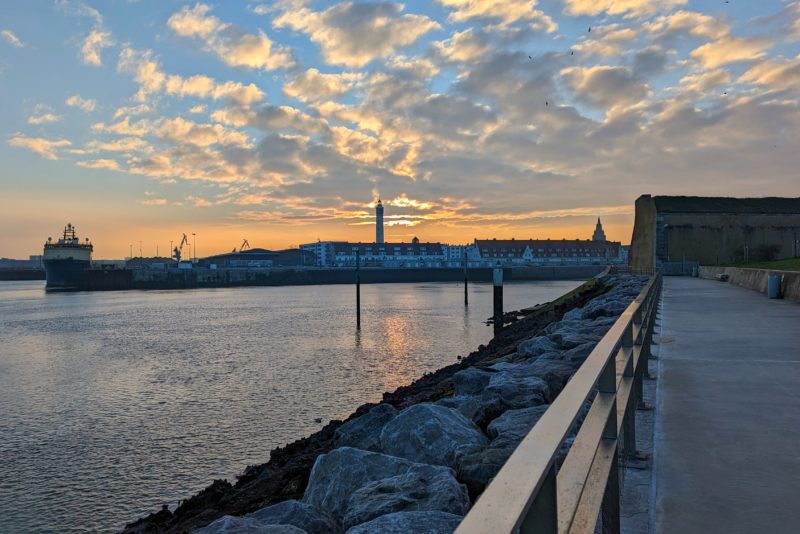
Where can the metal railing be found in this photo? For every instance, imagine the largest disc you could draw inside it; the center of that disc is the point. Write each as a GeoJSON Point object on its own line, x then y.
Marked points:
{"type": "Point", "coordinates": [529, 494]}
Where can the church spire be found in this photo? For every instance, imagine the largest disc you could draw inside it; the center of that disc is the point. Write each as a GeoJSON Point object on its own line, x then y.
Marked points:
{"type": "Point", "coordinates": [599, 234]}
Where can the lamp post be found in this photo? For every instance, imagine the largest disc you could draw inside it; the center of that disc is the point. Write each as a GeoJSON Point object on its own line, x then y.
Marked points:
{"type": "Point", "coordinates": [194, 246]}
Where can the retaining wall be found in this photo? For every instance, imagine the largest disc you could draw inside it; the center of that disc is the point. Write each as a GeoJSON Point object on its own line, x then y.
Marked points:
{"type": "Point", "coordinates": [756, 279]}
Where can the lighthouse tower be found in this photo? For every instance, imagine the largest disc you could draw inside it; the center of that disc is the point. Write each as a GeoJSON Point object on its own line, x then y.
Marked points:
{"type": "Point", "coordinates": [379, 222]}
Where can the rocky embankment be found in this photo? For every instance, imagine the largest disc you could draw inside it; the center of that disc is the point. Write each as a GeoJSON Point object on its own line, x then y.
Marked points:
{"type": "Point", "coordinates": [415, 462]}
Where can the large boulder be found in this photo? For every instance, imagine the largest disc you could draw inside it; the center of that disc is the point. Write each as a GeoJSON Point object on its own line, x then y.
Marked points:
{"type": "Point", "coordinates": [548, 367]}
{"type": "Point", "coordinates": [516, 391]}
{"type": "Point", "coordinates": [299, 514]}
{"type": "Point", "coordinates": [478, 468]}
{"type": "Point", "coordinates": [246, 525]}
{"type": "Point", "coordinates": [470, 381]}
{"type": "Point", "coordinates": [479, 409]}
{"type": "Point", "coordinates": [516, 424]}
{"type": "Point", "coordinates": [432, 434]}
{"type": "Point", "coordinates": [427, 489]}
{"type": "Point", "coordinates": [340, 473]}
{"type": "Point", "coordinates": [410, 522]}
{"type": "Point", "coordinates": [531, 348]}
{"type": "Point", "coordinates": [364, 432]}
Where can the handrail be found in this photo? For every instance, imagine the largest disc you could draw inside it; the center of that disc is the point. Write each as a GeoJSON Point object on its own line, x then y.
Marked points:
{"type": "Point", "coordinates": [529, 495]}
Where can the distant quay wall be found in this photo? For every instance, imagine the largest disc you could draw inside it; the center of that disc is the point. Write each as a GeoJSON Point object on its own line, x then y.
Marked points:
{"type": "Point", "coordinates": [175, 279]}
{"type": "Point", "coordinates": [117, 279]}
{"type": "Point", "coordinates": [756, 279]}
{"type": "Point", "coordinates": [21, 274]}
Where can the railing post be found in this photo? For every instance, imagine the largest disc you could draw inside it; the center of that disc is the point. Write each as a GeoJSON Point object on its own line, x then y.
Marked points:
{"type": "Point", "coordinates": [609, 512]}
{"type": "Point", "coordinates": [542, 516]}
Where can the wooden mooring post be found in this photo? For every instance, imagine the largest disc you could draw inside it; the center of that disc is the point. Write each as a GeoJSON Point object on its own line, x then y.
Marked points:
{"type": "Point", "coordinates": [358, 291]}
{"type": "Point", "coordinates": [466, 289]}
{"type": "Point", "coordinates": [497, 278]}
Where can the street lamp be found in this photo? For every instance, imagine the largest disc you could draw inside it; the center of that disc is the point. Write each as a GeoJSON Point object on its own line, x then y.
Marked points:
{"type": "Point", "coordinates": [194, 246]}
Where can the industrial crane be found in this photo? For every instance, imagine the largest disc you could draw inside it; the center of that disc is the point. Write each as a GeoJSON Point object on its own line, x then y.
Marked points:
{"type": "Point", "coordinates": [245, 245]}
{"type": "Point", "coordinates": [176, 252]}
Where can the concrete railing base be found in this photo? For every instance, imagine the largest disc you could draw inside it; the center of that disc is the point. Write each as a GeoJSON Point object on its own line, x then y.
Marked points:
{"type": "Point", "coordinates": [756, 279]}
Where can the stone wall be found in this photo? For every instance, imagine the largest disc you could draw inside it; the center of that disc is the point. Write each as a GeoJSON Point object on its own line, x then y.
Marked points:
{"type": "Point", "coordinates": [720, 238]}
{"type": "Point", "coordinates": [756, 279]}
{"type": "Point", "coordinates": [641, 257]}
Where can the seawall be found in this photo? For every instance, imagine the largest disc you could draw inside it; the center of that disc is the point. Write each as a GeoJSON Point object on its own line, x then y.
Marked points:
{"type": "Point", "coordinates": [756, 279]}
{"type": "Point", "coordinates": [493, 395]}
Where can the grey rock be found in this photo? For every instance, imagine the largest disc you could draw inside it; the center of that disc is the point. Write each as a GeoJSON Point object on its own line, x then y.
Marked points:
{"type": "Point", "coordinates": [427, 489]}
{"type": "Point", "coordinates": [341, 472]}
{"type": "Point", "coordinates": [246, 525]}
{"type": "Point", "coordinates": [516, 424]}
{"type": "Point", "coordinates": [470, 381]}
{"type": "Point", "coordinates": [478, 468]}
{"type": "Point", "coordinates": [364, 432]}
{"type": "Point", "coordinates": [531, 348]}
{"type": "Point", "coordinates": [574, 314]}
{"type": "Point", "coordinates": [299, 514]}
{"type": "Point", "coordinates": [480, 410]}
{"type": "Point", "coordinates": [410, 523]}
{"type": "Point", "coordinates": [515, 391]}
{"type": "Point", "coordinates": [431, 434]}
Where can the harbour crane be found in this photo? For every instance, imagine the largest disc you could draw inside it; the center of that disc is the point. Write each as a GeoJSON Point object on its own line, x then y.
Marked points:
{"type": "Point", "coordinates": [176, 252]}
{"type": "Point", "coordinates": [244, 246]}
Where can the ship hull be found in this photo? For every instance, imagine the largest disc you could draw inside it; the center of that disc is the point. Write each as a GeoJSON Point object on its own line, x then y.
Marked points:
{"type": "Point", "coordinates": [65, 274]}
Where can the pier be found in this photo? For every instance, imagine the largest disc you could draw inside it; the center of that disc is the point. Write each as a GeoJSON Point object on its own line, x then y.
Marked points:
{"type": "Point", "coordinates": [726, 436]}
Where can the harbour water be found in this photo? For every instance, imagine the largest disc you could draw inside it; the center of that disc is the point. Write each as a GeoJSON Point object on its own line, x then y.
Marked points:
{"type": "Point", "coordinates": [114, 403]}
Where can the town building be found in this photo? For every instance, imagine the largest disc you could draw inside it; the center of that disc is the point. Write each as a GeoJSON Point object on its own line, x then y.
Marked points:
{"type": "Point", "coordinates": [259, 258]}
{"type": "Point", "coordinates": [550, 251]}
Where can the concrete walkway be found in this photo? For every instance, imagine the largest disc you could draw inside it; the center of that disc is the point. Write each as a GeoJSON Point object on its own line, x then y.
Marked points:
{"type": "Point", "coordinates": [727, 435]}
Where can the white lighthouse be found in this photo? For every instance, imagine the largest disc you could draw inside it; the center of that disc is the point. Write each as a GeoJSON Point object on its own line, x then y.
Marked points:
{"type": "Point", "coordinates": [379, 222]}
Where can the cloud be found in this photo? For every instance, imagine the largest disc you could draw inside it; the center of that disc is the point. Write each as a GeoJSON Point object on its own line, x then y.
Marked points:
{"type": "Point", "coordinates": [312, 86]}
{"type": "Point", "coordinates": [354, 34]}
{"type": "Point", "coordinates": [44, 147]}
{"type": "Point", "coordinates": [151, 79]}
{"type": "Point", "coordinates": [730, 50]}
{"type": "Point", "coordinates": [467, 45]}
{"type": "Point", "coordinates": [502, 12]}
{"type": "Point", "coordinates": [154, 202]}
{"type": "Point", "coordinates": [199, 108]}
{"type": "Point", "coordinates": [605, 86]}
{"type": "Point", "coordinates": [93, 44]}
{"type": "Point", "coordinates": [182, 131]}
{"type": "Point", "coordinates": [44, 118]}
{"type": "Point", "coordinates": [107, 164]}
{"type": "Point", "coordinates": [234, 46]}
{"type": "Point", "coordinates": [607, 41]}
{"type": "Point", "coordinates": [631, 8]}
{"type": "Point", "coordinates": [705, 81]}
{"type": "Point", "coordinates": [125, 144]}
{"type": "Point", "coordinates": [124, 127]}
{"type": "Point", "coordinates": [12, 39]}
{"type": "Point", "coordinates": [776, 74]}
{"type": "Point", "coordinates": [86, 104]}
{"type": "Point", "coordinates": [689, 23]}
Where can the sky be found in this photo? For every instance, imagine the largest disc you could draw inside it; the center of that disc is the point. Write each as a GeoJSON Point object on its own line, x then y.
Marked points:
{"type": "Point", "coordinates": [283, 122]}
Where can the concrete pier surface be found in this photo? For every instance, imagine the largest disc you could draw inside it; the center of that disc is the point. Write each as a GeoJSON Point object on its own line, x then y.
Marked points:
{"type": "Point", "coordinates": [727, 431]}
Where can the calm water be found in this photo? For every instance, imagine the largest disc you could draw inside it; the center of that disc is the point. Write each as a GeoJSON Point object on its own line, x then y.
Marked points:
{"type": "Point", "coordinates": [112, 404]}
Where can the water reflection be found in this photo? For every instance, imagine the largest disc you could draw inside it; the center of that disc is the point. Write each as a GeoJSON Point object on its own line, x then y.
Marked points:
{"type": "Point", "coordinates": [115, 403]}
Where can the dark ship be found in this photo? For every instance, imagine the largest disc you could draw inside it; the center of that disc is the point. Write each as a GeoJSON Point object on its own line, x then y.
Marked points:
{"type": "Point", "coordinates": [66, 260]}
